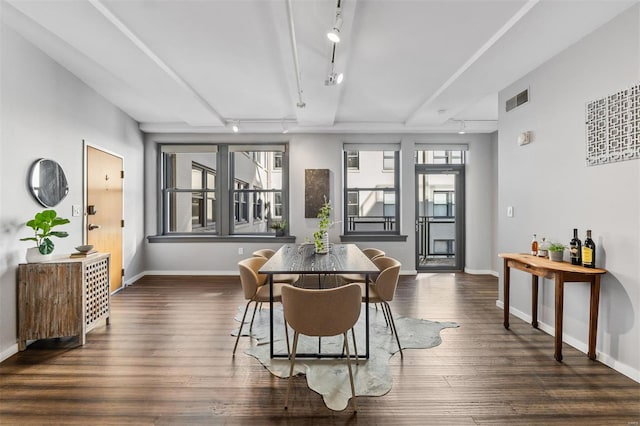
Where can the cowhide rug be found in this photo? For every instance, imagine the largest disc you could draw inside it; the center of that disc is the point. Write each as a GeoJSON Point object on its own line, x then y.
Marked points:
{"type": "Point", "coordinates": [330, 377]}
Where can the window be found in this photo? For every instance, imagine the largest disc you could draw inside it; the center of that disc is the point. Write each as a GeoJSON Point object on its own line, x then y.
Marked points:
{"type": "Point", "coordinates": [277, 161]}
{"type": "Point", "coordinates": [277, 205]}
{"type": "Point", "coordinates": [223, 189]}
{"type": "Point", "coordinates": [388, 160]}
{"type": "Point", "coordinates": [257, 187]}
{"type": "Point", "coordinates": [353, 206]}
{"type": "Point", "coordinates": [189, 191]}
{"type": "Point", "coordinates": [440, 157]}
{"type": "Point", "coordinates": [353, 160]}
{"type": "Point", "coordinates": [443, 203]}
{"type": "Point", "coordinates": [370, 193]}
{"type": "Point", "coordinates": [240, 194]}
{"type": "Point", "coordinates": [203, 201]}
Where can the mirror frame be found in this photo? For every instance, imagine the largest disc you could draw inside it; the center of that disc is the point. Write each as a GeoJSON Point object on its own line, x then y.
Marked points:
{"type": "Point", "coordinates": [47, 182]}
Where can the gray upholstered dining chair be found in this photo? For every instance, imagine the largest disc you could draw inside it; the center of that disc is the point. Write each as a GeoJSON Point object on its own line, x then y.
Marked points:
{"type": "Point", "coordinates": [255, 290]}
{"type": "Point", "coordinates": [383, 289]}
{"type": "Point", "coordinates": [321, 313]}
{"type": "Point", "coordinates": [281, 278]}
{"type": "Point", "coordinates": [371, 253]}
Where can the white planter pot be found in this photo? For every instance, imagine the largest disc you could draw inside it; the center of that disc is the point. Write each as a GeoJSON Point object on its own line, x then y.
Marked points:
{"type": "Point", "coordinates": [34, 256]}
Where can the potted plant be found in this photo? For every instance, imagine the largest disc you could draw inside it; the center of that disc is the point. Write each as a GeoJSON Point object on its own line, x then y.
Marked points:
{"type": "Point", "coordinates": [280, 228]}
{"type": "Point", "coordinates": [42, 225]}
{"type": "Point", "coordinates": [556, 251]}
{"type": "Point", "coordinates": [321, 236]}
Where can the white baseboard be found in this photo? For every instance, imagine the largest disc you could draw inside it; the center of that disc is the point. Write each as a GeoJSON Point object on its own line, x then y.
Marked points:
{"type": "Point", "coordinates": [9, 352]}
{"type": "Point", "coordinates": [602, 357]}
{"type": "Point", "coordinates": [134, 278]}
{"type": "Point", "coordinates": [199, 273]}
{"type": "Point", "coordinates": [480, 272]}
{"type": "Point", "coordinates": [214, 273]}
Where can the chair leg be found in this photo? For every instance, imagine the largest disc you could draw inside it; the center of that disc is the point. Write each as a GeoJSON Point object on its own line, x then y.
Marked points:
{"type": "Point", "coordinates": [353, 389]}
{"type": "Point", "coordinates": [253, 316]}
{"type": "Point", "coordinates": [286, 334]}
{"type": "Point", "coordinates": [293, 362]}
{"type": "Point", "coordinates": [386, 316]}
{"type": "Point", "coordinates": [355, 346]}
{"type": "Point", "coordinates": [394, 329]}
{"type": "Point", "coordinates": [241, 324]}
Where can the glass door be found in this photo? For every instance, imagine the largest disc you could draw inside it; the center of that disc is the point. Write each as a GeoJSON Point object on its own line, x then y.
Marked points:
{"type": "Point", "coordinates": [439, 217]}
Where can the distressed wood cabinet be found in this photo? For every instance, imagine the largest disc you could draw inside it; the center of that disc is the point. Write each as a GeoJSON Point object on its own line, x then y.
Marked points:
{"type": "Point", "coordinates": [64, 297]}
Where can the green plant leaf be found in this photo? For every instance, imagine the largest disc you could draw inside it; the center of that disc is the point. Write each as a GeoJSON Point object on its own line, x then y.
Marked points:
{"type": "Point", "coordinates": [46, 247]}
{"type": "Point", "coordinates": [59, 234]}
{"type": "Point", "coordinates": [59, 221]}
{"type": "Point", "coordinates": [29, 239]}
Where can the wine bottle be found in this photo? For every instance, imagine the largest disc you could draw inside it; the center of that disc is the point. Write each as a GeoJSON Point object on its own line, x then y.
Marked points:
{"type": "Point", "coordinates": [534, 246]}
{"type": "Point", "coordinates": [575, 248]}
{"type": "Point", "coordinates": [589, 252]}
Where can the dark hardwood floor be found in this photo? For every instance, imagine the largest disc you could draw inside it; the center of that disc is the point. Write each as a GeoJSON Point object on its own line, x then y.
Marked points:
{"type": "Point", "coordinates": [166, 359]}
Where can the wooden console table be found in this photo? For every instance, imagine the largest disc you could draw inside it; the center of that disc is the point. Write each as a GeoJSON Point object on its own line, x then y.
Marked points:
{"type": "Point", "coordinates": [560, 272]}
{"type": "Point", "coordinates": [62, 297]}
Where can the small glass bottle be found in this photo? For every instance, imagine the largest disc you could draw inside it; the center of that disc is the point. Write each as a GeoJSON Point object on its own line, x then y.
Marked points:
{"type": "Point", "coordinates": [589, 252]}
{"type": "Point", "coordinates": [543, 248]}
{"type": "Point", "coordinates": [534, 245]}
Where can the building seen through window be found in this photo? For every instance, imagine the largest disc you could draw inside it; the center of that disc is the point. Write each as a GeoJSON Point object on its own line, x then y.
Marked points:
{"type": "Point", "coordinates": [371, 190]}
{"type": "Point", "coordinates": [203, 183]}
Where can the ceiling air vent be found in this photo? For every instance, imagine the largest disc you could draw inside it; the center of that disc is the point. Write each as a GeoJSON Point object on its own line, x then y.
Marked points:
{"type": "Point", "coordinates": [517, 100]}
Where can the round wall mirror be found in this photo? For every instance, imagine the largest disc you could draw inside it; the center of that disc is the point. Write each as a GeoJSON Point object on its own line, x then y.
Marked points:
{"type": "Point", "coordinates": [47, 182]}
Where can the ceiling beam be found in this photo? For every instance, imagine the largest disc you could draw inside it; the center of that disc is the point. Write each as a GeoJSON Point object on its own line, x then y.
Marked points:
{"type": "Point", "coordinates": [414, 117]}
{"type": "Point", "coordinates": [131, 36]}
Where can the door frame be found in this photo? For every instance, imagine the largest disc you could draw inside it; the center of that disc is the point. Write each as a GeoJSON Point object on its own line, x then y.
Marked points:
{"type": "Point", "coordinates": [85, 195]}
{"type": "Point", "coordinates": [459, 171]}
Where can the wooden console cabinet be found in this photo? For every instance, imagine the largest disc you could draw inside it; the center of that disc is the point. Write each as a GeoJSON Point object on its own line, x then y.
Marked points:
{"type": "Point", "coordinates": [63, 297]}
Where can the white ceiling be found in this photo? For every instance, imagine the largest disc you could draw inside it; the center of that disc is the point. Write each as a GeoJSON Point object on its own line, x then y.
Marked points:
{"type": "Point", "coordinates": [409, 65]}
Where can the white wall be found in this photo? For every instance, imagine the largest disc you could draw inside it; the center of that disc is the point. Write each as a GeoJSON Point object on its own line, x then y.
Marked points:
{"type": "Point", "coordinates": [47, 112]}
{"type": "Point", "coordinates": [552, 190]}
{"type": "Point", "coordinates": [325, 152]}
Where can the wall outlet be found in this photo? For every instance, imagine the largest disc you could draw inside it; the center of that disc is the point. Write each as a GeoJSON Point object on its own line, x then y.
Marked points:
{"type": "Point", "coordinates": [240, 250]}
{"type": "Point", "coordinates": [76, 210]}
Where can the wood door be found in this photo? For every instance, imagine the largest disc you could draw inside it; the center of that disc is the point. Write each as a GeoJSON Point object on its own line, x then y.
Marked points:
{"type": "Point", "coordinates": [104, 208]}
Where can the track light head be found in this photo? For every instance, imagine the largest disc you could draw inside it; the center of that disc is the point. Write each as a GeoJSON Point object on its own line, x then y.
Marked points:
{"type": "Point", "coordinates": [235, 126]}
{"type": "Point", "coordinates": [334, 33]}
{"type": "Point", "coordinates": [462, 130]}
{"type": "Point", "coordinates": [333, 79]}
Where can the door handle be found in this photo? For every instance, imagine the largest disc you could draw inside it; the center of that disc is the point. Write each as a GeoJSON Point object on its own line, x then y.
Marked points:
{"type": "Point", "coordinates": [92, 227]}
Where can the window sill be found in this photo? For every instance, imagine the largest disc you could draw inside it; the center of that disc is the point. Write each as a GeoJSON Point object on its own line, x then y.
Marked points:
{"type": "Point", "coordinates": [352, 238]}
{"type": "Point", "coordinates": [220, 239]}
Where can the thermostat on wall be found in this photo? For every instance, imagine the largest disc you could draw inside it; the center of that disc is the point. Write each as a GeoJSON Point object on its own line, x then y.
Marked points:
{"type": "Point", "coordinates": [524, 138]}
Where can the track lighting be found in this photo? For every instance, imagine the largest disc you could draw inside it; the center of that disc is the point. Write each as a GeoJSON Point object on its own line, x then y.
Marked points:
{"type": "Point", "coordinates": [333, 79]}
{"type": "Point", "coordinates": [235, 126]}
{"type": "Point", "coordinates": [334, 33]}
{"type": "Point", "coordinates": [462, 128]}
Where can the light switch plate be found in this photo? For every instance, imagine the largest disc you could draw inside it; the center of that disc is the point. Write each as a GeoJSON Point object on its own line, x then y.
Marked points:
{"type": "Point", "coordinates": [76, 210]}
{"type": "Point", "coordinates": [510, 211]}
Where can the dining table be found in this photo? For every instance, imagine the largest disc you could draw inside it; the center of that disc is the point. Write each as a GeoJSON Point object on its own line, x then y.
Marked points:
{"type": "Point", "coordinates": [302, 259]}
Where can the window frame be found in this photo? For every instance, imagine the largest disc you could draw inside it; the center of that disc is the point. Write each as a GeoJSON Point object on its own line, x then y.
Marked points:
{"type": "Point", "coordinates": [225, 205]}
{"type": "Point", "coordinates": [395, 223]}
{"type": "Point", "coordinates": [202, 194]}
{"type": "Point", "coordinates": [350, 154]}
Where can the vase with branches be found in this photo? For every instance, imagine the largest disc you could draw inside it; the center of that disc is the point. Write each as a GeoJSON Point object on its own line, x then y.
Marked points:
{"type": "Point", "coordinates": [321, 236]}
